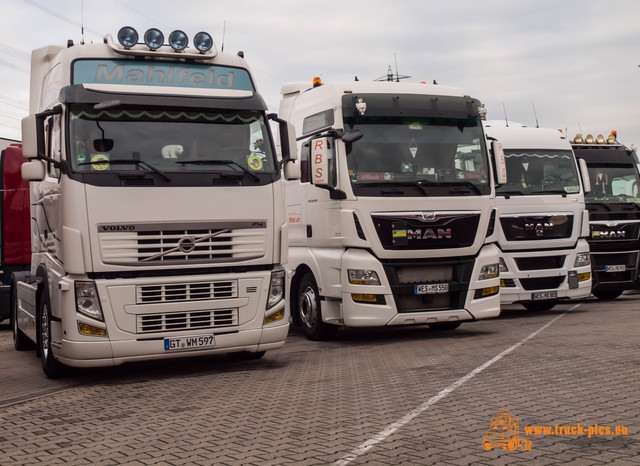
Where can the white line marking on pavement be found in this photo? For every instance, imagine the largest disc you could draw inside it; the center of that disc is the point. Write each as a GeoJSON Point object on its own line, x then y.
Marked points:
{"type": "Point", "coordinates": [380, 436]}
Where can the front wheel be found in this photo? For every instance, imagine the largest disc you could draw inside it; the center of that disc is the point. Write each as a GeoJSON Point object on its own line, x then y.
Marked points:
{"type": "Point", "coordinates": [50, 365]}
{"type": "Point", "coordinates": [607, 295]}
{"type": "Point", "coordinates": [310, 312]}
{"type": "Point", "coordinates": [543, 305]}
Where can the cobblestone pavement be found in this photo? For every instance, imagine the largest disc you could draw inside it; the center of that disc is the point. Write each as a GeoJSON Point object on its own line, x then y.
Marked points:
{"type": "Point", "coordinates": [393, 396]}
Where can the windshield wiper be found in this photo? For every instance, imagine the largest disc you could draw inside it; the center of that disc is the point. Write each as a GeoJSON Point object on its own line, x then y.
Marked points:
{"type": "Point", "coordinates": [139, 163]}
{"type": "Point", "coordinates": [509, 193]}
{"type": "Point", "coordinates": [219, 162]}
{"type": "Point", "coordinates": [551, 191]}
{"type": "Point", "coordinates": [468, 184]}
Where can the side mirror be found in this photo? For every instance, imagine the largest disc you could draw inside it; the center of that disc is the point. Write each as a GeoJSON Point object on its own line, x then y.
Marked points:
{"type": "Point", "coordinates": [29, 137]}
{"type": "Point", "coordinates": [500, 163]}
{"type": "Point", "coordinates": [33, 170]}
{"type": "Point", "coordinates": [584, 173]}
{"type": "Point", "coordinates": [352, 136]}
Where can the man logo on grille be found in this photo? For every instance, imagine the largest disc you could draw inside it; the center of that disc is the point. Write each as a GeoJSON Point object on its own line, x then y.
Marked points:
{"type": "Point", "coordinates": [187, 244]}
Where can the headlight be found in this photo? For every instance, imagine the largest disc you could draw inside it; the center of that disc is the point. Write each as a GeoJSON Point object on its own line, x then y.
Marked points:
{"type": "Point", "coordinates": [363, 277]}
{"type": "Point", "coordinates": [87, 301]}
{"type": "Point", "coordinates": [276, 288]}
{"type": "Point", "coordinates": [503, 265]}
{"type": "Point", "coordinates": [582, 259]}
{"type": "Point", "coordinates": [489, 271]}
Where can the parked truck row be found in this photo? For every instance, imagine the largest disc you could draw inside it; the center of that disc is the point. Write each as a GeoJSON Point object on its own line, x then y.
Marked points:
{"type": "Point", "coordinates": [162, 220]}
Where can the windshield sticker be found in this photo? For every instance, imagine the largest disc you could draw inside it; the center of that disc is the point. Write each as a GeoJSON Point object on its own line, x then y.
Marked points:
{"type": "Point", "coordinates": [413, 148]}
{"type": "Point", "coordinates": [98, 158]}
{"type": "Point", "coordinates": [255, 163]}
{"type": "Point", "coordinates": [572, 189]}
{"type": "Point", "coordinates": [369, 176]}
{"type": "Point", "coordinates": [525, 165]}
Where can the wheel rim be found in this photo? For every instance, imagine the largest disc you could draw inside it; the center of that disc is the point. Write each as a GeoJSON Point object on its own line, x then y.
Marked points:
{"type": "Point", "coordinates": [44, 331]}
{"type": "Point", "coordinates": [307, 305]}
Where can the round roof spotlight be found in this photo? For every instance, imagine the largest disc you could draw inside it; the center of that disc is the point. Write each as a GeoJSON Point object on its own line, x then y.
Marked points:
{"type": "Point", "coordinates": [178, 40]}
{"type": "Point", "coordinates": [203, 42]}
{"type": "Point", "coordinates": [127, 36]}
{"type": "Point", "coordinates": [153, 38]}
{"type": "Point", "coordinates": [578, 139]}
{"type": "Point", "coordinates": [600, 139]}
{"type": "Point", "coordinates": [589, 139]}
{"type": "Point", "coordinates": [611, 139]}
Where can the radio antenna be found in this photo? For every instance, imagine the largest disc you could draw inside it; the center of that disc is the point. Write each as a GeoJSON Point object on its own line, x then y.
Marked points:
{"type": "Point", "coordinates": [224, 30]}
{"type": "Point", "coordinates": [506, 120]}
{"type": "Point", "coordinates": [82, 22]}
{"type": "Point", "coordinates": [535, 114]}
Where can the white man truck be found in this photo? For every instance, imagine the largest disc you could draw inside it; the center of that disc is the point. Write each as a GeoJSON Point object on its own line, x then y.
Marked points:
{"type": "Point", "coordinates": [158, 226]}
{"type": "Point", "coordinates": [543, 223]}
{"type": "Point", "coordinates": [392, 220]}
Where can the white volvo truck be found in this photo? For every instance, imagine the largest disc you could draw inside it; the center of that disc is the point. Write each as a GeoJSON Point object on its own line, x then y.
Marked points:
{"type": "Point", "coordinates": [393, 219]}
{"type": "Point", "coordinates": [543, 222]}
{"type": "Point", "coordinates": [158, 226]}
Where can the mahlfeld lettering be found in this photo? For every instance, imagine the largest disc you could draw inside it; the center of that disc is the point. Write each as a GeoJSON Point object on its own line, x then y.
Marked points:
{"type": "Point", "coordinates": [162, 75]}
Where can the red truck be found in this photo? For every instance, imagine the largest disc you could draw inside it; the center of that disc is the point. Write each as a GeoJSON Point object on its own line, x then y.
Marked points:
{"type": "Point", "coordinates": [15, 240]}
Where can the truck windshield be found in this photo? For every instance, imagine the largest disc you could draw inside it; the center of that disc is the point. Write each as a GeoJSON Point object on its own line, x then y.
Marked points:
{"type": "Point", "coordinates": [540, 172]}
{"type": "Point", "coordinates": [613, 183]}
{"type": "Point", "coordinates": [435, 154]}
{"type": "Point", "coordinates": [169, 140]}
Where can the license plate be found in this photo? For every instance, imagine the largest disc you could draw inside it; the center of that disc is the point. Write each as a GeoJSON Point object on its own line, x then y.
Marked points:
{"type": "Point", "coordinates": [544, 295]}
{"type": "Point", "coordinates": [182, 343]}
{"type": "Point", "coordinates": [615, 268]}
{"type": "Point", "coordinates": [436, 288]}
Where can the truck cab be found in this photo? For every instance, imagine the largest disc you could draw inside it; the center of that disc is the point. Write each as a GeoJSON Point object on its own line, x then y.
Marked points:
{"type": "Point", "coordinates": [393, 219]}
{"type": "Point", "coordinates": [542, 218]}
{"type": "Point", "coordinates": [614, 211]}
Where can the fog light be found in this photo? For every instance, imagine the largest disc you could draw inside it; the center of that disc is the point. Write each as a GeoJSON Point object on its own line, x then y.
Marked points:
{"type": "Point", "coordinates": [582, 277]}
{"type": "Point", "coordinates": [275, 316]}
{"type": "Point", "coordinates": [87, 329]}
{"type": "Point", "coordinates": [178, 40]}
{"type": "Point", "coordinates": [154, 38]}
{"type": "Point", "coordinates": [203, 42]}
{"type": "Point", "coordinates": [486, 292]}
{"type": "Point", "coordinates": [127, 36]}
{"type": "Point", "coordinates": [368, 298]}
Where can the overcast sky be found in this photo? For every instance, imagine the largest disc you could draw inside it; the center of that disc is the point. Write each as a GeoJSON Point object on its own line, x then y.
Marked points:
{"type": "Point", "coordinates": [575, 61]}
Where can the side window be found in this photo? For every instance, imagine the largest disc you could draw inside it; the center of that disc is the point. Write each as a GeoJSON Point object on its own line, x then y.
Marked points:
{"type": "Point", "coordinates": [52, 141]}
{"type": "Point", "coordinates": [317, 121]}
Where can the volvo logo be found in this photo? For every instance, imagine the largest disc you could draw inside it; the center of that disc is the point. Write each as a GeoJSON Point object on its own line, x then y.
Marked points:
{"type": "Point", "coordinates": [117, 227]}
{"type": "Point", "coordinates": [187, 244]}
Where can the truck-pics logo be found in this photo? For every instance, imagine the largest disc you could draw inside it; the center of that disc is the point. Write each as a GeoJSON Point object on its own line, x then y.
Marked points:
{"type": "Point", "coordinates": [504, 433]}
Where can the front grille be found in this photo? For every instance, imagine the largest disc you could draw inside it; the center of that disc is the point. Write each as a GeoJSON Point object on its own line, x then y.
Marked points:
{"type": "Point", "coordinates": [404, 275]}
{"type": "Point", "coordinates": [179, 321]}
{"type": "Point", "coordinates": [149, 294]}
{"type": "Point", "coordinates": [542, 283]}
{"type": "Point", "coordinates": [540, 263]}
{"type": "Point", "coordinates": [193, 244]}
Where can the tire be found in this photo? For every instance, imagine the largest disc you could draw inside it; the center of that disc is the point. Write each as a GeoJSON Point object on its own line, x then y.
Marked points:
{"type": "Point", "coordinates": [245, 355]}
{"type": "Point", "coordinates": [52, 368]}
{"type": "Point", "coordinates": [543, 305]}
{"type": "Point", "coordinates": [606, 295]}
{"type": "Point", "coordinates": [20, 341]}
{"type": "Point", "coordinates": [441, 326]}
{"type": "Point", "coordinates": [309, 311]}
